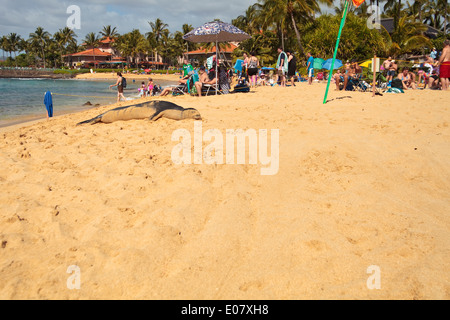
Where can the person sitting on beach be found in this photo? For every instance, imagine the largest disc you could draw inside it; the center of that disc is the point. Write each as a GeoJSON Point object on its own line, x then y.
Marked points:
{"type": "Point", "coordinates": [352, 73]}
{"type": "Point", "coordinates": [262, 79]}
{"type": "Point", "coordinates": [338, 78]}
{"type": "Point", "coordinates": [433, 80]}
{"type": "Point", "coordinates": [406, 78]}
{"type": "Point", "coordinates": [203, 79]}
{"type": "Point", "coordinates": [119, 87]}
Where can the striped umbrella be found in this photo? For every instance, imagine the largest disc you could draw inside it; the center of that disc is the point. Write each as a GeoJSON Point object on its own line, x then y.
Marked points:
{"type": "Point", "coordinates": [216, 31]}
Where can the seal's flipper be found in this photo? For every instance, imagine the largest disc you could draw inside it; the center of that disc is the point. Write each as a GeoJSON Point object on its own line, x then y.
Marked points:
{"type": "Point", "coordinates": [155, 116]}
{"type": "Point", "coordinates": [91, 121]}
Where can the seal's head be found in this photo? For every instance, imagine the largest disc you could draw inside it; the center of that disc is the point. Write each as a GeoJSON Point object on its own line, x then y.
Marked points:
{"type": "Point", "coordinates": [191, 113]}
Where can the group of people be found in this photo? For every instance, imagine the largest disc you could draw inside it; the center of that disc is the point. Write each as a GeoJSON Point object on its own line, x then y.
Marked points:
{"type": "Point", "coordinates": [148, 89]}
{"type": "Point", "coordinates": [434, 72]}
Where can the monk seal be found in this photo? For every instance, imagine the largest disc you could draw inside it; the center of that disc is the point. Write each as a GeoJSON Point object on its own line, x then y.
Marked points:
{"type": "Point", "coordinates": [152, 110]}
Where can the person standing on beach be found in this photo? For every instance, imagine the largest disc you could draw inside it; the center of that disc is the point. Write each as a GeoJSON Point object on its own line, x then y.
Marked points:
{"type": "Point", "coordinates": [244, 72]}
{"type": "Point", "coordinates": [119, 84]}
{"type": "Point", "coordinates": [433, 54]}
{"type": "Point", "coordinates": [310, 67]}
{"type": "Point", "coordinates": [187, 68]}
{"type": "Point", "coordinates": [292, 66]}
{"type": "Point", "coordinates": [282, 67]}
{"type": "Point", "coordinates": [444, 65]}
{"type": "Point", "coordinates": [253, 65]}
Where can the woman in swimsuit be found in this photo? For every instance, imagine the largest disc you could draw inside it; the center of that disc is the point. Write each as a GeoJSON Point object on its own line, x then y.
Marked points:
{"type": "Point", "coordinates": [406, 79]}
{"type": "Point", "coordinates": [119, 87]}
{"type": "Point", "coordinates": [253, 65]}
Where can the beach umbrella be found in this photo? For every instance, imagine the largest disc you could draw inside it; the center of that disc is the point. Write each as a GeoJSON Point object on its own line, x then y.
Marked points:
{"type": "Point", "coordinates": [366, 63]}
{"type": "Point", "coordinates": [327, 64]}
{"type": "Point", "coordinates": [318, 62]}
{"type": "Point", "coordinates": [48, 103]}
{"type": "Point", "coordinates": [216, 31]}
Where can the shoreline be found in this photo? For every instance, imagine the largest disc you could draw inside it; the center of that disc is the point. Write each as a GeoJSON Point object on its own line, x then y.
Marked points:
{"type": "Point", "coordinates": [26, 119]}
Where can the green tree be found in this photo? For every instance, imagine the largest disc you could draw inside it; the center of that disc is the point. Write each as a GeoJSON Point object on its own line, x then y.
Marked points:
{"type": "Point", "coordinates": [132, 44]}
{"type": "Point", "coordinates": [38, 41]}
{"type": "Point", "coordinates": [63, 38]}
{"type": "Point", "coordinates": [91, 41]}
{"type": "Point", "coordinates": [154, 36]}
{"type": "Point", "coordinates": [109, 32]}
{"type": "Point", "coordinates": [292, 12]}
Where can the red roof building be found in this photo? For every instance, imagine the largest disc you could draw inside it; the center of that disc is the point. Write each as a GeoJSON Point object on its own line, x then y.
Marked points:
{"type": "Point", "coordinates": [91, 56]}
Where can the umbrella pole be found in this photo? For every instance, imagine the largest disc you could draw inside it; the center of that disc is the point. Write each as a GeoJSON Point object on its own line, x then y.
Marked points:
{"type": "Point", "coordinates": [335, 50]}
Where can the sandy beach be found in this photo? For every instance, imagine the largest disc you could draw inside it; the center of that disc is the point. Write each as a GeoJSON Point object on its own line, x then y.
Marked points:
{"type": "Point", "coordinates": [362, 181]}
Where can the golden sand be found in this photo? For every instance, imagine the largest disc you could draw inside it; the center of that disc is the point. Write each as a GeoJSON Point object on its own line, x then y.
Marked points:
{"type": "Point", "coordinates": [363, 181]}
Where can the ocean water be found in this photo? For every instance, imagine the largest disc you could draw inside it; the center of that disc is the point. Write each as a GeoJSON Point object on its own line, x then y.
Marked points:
{"type": "Point", "coordinates": [23, 99]}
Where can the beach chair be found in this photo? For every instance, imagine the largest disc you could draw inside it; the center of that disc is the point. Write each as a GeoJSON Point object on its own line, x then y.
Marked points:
{"type": "Point", "coordinates": [357, 84]}
{"type": "Point", "coordinates": [210, 89]}
{"type": "Point", "coordinates": [185, 88]}
{"type": "Point", "coordinates": [320, 76]}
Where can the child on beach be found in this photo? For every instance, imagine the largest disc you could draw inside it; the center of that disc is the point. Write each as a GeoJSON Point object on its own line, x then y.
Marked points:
{"type": "Point", "coordinates": [142, 90]}
{"type": "Point", "coordinates": [150, 87]}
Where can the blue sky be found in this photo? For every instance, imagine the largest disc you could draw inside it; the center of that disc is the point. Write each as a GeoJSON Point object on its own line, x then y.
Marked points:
{"type": "Point", "coordinates": [23, 16]}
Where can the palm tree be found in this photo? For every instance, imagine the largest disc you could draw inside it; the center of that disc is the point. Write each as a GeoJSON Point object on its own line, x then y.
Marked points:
{"type": "Point", "coordinates": [281, 11]}
{"type": "Point", "coordinates": [14, 41]}
{"type": "Point", "coordinates": [91, 41]}
{"type": "Point", "coordinates": [154, 36]}
{"type": "Point", "coordinates": [158, 27]}
{"type": "Point", "coordinates": [408, 35]}
{"type": "Point", "coordinates": [39, 40]}
{"type": "Point", "coordinates": [109, 32]}
{"type": "Point", "coordinates": [132, 44]}
{"type": "Point", "coordinates": [394, 8]}
{"type": "Point", "coordinates": [3, 45]}
{"type": "Point", "coordinates": [63, 38]}
{"type": "Point", "coordinates": [249, 22]}
{"type": "Point", "coordinates": [186, 29]}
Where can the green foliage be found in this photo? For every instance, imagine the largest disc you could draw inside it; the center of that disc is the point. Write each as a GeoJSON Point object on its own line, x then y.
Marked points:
{"type": "Point", "coordinates": [357, 40]}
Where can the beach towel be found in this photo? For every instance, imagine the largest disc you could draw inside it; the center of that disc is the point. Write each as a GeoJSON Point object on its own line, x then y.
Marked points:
{"type": "Point", "coordinates": [48, 103]}
{"type": "Point", "coordinates": [285, 65]}
{"type": "Point", "coordinates": [395, 90]}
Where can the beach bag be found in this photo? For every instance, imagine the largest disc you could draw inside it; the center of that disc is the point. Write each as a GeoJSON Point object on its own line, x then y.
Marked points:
{"type": "Point", "coordinates": [397, 83]}
{"type": "Point", "coordinates": [124, 82]}
{"type": "Point", "coordinates": [241, 88]}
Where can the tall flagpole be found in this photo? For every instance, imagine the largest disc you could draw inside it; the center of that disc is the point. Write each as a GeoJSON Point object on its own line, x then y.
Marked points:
{"type": "Point", "coordinates": [336, 49]}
